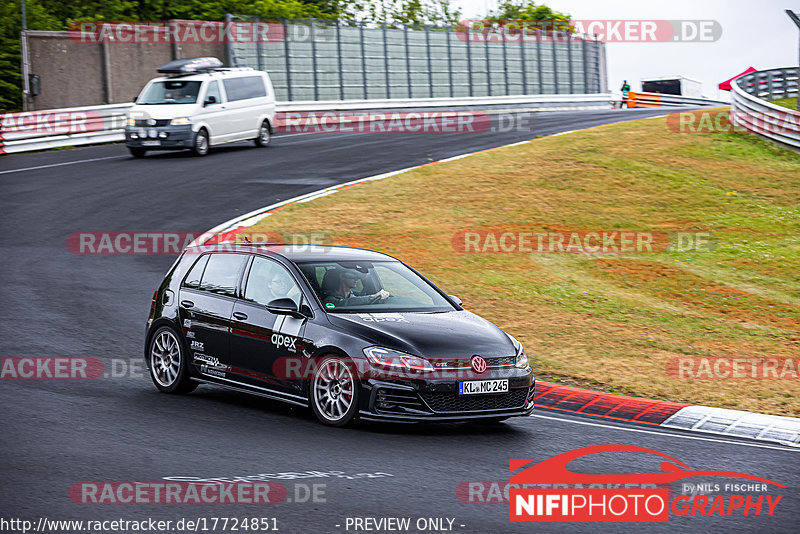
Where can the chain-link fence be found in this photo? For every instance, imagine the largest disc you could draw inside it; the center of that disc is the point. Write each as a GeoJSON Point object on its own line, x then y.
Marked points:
{"type": "Point", "coordinates": [328, 60]}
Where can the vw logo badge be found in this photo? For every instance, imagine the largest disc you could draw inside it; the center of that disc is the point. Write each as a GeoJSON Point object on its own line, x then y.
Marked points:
{"type": "Point", "coordinates": [151, 122]}
{"type": "Point", "coordinates": [478, 364]}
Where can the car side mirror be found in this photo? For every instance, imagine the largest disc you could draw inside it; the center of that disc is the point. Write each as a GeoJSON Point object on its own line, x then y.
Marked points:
{"type": "Point", "coordinates": [455, 299]}
{"type": "Point", "coordinates": [284, 306]}
{"type": "Point", "coordinates": [210, 100]}
{"type": "Point", "coordinates": [135, 98]}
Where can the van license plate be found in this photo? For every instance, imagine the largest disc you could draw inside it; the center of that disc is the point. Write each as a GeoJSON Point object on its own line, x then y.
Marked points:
{"type": "Point", "coordinates": [151, 143]}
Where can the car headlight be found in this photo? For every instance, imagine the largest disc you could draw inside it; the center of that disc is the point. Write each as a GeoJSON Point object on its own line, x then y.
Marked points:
{"type": "Point", "coordinates": [396, 360]}
{"type": "Point", "coordinates": [179, 121]}
{"type": "Point", "coordinates": [521, 362]}
{"type": "Point", "coordinates": [130, 121]}
{"type": "Point", "coordinates": [522, 359]}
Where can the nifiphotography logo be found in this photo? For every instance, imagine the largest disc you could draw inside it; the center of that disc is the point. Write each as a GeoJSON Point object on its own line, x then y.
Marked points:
{"type": "Point", "coordinates": [549, 491]}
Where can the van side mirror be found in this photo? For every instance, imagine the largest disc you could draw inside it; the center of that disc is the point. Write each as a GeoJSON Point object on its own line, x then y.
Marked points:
{"type": "Point", "coordinates": [210, 100]}
{"type": "Point", "coordinates": [455, 299]}
{"type": "Point", "coordinates": [284, 306]}
{"type": "Point", "coordinates": [135, 98]}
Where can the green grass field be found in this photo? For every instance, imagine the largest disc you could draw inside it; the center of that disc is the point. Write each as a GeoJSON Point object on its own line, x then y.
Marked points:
{"type": "Point", "coordinates": [611, 322]}
{"type": "Point", "coordinates": [790, 103]}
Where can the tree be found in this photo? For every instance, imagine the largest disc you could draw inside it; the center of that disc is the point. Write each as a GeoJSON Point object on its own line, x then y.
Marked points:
{"type": "Point", "coordinates": [519, 10]}
{"type": "Point", "coordinates": [58, 15]}
{"type": "Point", "coordinates": [529, 15]}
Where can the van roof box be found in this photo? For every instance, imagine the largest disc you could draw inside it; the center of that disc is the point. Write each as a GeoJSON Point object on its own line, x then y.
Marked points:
{"type": "Point", "coordinates": [190, 65]}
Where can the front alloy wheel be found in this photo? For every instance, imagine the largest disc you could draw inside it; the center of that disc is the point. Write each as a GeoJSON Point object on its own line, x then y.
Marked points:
{"type": "Point", "coordinates": [200, 147]}
{"type": "Point", "coordinates": [334, 392]}
{"type": "Point", "coordinates": [263, 135]}
{"type": "Point", "coordinates": [167, 365]}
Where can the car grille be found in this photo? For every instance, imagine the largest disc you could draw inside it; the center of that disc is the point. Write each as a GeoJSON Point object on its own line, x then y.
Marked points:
{"type": "Point", "coordinates": [398, 401]}
{"type": "Point", "coordinates": [467, 362]}
{"type": "Point", "coordinates": [159, 122]}
{"type": "Point", "coordinates": [453, 402]}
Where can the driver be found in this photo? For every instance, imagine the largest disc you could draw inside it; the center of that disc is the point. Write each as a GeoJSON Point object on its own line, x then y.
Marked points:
{"type": "Point", "coordinates": [343, 294]}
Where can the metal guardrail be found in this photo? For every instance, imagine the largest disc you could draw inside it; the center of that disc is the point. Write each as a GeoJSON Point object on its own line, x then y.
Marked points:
{"type": "Point", "coordinates": [40, 130]}
{"type": "Point", "coordinates": [52, 128]}
{"type": "Point", "coordinates": [751, 110]}
{"type": "Point", "coordinates": [658, 100]}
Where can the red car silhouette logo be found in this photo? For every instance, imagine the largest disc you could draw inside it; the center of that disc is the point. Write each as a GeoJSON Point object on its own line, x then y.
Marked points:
{"type": "Point", "coordinates": [554, 470]}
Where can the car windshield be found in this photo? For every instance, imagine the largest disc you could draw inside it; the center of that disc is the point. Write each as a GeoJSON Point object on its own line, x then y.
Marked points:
{"type": "Point", "coordinates": [170, 92]}
{"type": "Point", "coordinates": [385, 286]}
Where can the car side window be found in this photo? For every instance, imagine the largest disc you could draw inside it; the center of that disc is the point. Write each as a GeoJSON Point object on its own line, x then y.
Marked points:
{"type": "Point", "coordinates": [213, 90]}
{"type": "Point", "coordinates": [222, 273]}
{"type": "Point", "coordinates": [269, 280]}
{"type": "Point", "coordinates": [244, 88]}
{"type": "Point", "coordinates": [195, 275]}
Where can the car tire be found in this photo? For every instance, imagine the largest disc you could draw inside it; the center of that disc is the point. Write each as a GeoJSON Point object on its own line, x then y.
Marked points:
{"type": "Point", "coordinates": [264, 135]}
{"type": "Point", "coordinates": [166, 356]}
{"type": "Point", "coordinates": [137, 152]}
{"type": "Point", "coordinates": [200, 146]}
{"type": "Point", "coordinates": [333, 391]}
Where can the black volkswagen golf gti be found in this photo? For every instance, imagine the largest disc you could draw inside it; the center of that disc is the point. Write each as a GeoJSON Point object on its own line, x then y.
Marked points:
{"type": "Point", "coordinates": [349, 332]}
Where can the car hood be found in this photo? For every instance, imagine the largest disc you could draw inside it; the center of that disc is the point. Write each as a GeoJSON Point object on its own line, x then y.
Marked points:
{"type": "Point", "coordinates": [444, 335]}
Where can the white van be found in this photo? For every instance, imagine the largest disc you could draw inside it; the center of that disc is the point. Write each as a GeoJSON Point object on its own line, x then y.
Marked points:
{"type": "Point", "coordinates": [199, 104]}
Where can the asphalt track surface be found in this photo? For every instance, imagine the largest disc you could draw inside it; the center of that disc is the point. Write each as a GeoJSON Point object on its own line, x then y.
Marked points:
{"type": "Point", "coordinates": [54, 433]}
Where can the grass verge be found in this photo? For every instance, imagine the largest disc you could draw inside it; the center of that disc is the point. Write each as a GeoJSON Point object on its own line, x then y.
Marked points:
{"type": "Point", "coordinates": [790, 103]}
{"type": "Point", "coordinates": [611, 322]}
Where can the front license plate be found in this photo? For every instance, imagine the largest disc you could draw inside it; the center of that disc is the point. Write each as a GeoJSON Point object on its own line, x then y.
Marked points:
{"type": "Point", "coordinates": [478, 387]}
{"type": "Point", "coordinates": [151, 143]}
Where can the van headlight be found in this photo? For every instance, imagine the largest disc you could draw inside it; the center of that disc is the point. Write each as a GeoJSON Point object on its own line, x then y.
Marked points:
{"type": "Point", "coordinates": [179, 121]}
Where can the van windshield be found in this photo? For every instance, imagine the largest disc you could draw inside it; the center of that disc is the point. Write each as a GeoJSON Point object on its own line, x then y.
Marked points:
{"type": "Point", "coordinates": [170, 92]}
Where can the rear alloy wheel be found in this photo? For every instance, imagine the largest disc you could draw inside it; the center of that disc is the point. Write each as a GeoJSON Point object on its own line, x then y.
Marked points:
{"type": "Point", "coordinates": [200, 147]}
{"type": "Point", "coordinates": [137, 152]}
{"type": "Point", "coordinates": [334, 392]}
{"type": "Point", "coordinates": [263, 135]}
{"type": "Point", "coordinates": [168, 363]}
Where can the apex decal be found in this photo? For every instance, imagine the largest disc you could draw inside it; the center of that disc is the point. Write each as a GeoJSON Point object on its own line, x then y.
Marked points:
{"type": "Point", "coordinates": [281, 340]}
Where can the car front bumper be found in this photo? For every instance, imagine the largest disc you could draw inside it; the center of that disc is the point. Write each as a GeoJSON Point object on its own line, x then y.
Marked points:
{"type": "Point", "coordinates": [159, 137]}
{"type": "Point", "coordinates": [439, 400]}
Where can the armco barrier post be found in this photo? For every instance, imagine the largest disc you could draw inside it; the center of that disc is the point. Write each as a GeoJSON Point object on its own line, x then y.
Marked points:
{"type": "Point", "coordinates": [286, 57]}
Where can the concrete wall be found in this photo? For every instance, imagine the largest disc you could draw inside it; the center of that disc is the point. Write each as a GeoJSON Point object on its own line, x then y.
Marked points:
{"type": "Point", "coordinates": [87, 74]}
